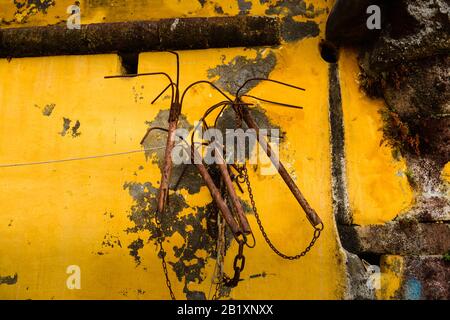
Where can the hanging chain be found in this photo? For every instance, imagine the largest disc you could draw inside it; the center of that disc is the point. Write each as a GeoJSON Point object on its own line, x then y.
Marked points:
{"type": "Point", "coordinates": [238, 263]}
{"type": "Point", "coordinates": [162, 254]}
{"type": "Point", "coordinates": [238, 266]}
{"type": "Point", "coordinates": [220, 254]}
{"type": "Point", "coordinates": [317, 229]}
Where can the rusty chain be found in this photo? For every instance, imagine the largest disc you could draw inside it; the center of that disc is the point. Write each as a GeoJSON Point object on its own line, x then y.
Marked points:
{"type": "Point", "coordinates": [243, 176]}
{"type": "Point", "coordinates": [220, 253]}
{"type": "Point", "coordinates": [238, 266]}
{"type": "Point", "coordinates": [162, 253]}
{"type": "Point", "coordinates": [317, 229]}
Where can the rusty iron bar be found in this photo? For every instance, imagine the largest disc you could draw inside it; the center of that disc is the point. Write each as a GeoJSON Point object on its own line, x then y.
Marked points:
{"type": "Point", "coordinates": [233, 195]}
{"type": "Point", "coordinates": [244, 112]}
{"type": "Point", "coordinates": [223, 168]}
{"type": "Point", "coordinates": [217, 197]}
{"type": "Point", "coordinates": [140, 36]}
{"type": "Point", "coordinates": [311, 214]}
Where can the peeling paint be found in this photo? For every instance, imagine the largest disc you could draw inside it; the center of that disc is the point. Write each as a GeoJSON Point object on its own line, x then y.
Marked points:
{"type": "Point", "coordinates": [293, 30]}
{"type": "Point", "coordinates": [202, 2]}
{"type": "Point", "coordinates": [197, 240]}
{"type": "Point", "coordinates": [244, 6]}
{"type": "Point", "coordinates": [9, 280]}
{"type": "Point", "coordinates": [233, 74]}
{"type": "Point", "coordinates": [218, 9]}
{"type": "Point", "coordinates": [66, 126]}
{"type": "Point", "coordinates": [198, 228]}
{"type": "Point", "coordinates": [134, 247]}
{"type": "Point", "coordinates": [74, 130]}
{"type": "Point", "coordinates": [48, 109]}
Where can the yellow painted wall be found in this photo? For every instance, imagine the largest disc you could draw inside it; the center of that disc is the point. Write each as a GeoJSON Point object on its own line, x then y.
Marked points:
{"type": "Point", "coordinates": [60, 214]}
{"type": "Point", "coordinates": [55, 215]}
{"type": "Point", "coordinates": [377, 182]}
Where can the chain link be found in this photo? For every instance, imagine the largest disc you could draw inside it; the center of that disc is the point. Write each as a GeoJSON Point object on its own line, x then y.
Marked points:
{"type": "Point", "coordinates": [238, 266]}
{"type": "Point", "coordinates": [317, 229]}
{"type": "Point", "coordinates": [220, 254]}
{"type": "Point", "coordinates": [162, 254]}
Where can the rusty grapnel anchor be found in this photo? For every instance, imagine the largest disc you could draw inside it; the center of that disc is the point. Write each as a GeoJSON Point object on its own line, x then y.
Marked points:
{"type": "Point", "coordinates": [240, 227]}
{"type": "Point", "coordinates": [232, 213]}
{"type": "Point", "coordinates": [243, 114]}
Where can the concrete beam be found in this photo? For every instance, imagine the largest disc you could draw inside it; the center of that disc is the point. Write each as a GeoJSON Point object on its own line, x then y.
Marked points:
{"type": "Point", "coordinates": [140, 36]}
{"type": "Point", "coordinates": [398, 237]}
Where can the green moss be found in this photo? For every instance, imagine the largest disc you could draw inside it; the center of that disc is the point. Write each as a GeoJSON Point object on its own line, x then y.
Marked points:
{"type": "Point", "coordinates": [446, 257]}
{"type": "Point", "coordinates": [410, 177]}
{"type": "Point", "coordinates": [397, 133]}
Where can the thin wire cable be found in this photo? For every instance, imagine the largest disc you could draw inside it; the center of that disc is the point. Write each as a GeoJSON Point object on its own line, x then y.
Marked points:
{"type": "Point", "coordinates": [78, 158]}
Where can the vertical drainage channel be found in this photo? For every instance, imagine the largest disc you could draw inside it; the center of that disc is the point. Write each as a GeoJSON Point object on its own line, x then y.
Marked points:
{"type": "Point", "coordinates": [337, 137]}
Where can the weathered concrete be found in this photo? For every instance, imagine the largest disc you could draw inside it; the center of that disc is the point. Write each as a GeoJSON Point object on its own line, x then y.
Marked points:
{"type": "Point", "coordinates": [346, 23]}
{"type": "Point", "coordinates": [422, 277]}
{"type": "Point", "coordinates": [417, 29]}
{"type": "Point", "coordinates": [432, 272]}
{"type": "Point", "coordinates": [409, 67]}
{"type": "Point", "coordinates": [358, 277]}
{"type": "Point", "coordinates": [140, 36]}
{"type": "Point", "coordinates": [398, 237]}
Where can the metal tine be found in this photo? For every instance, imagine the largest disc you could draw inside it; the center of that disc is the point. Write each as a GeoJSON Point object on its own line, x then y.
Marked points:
{"type": "Point", "coordinates": [207, 82]}
{"type": "Point", "coordinates": [273, 102]}
{"type": "Point", "coordinates": [162, 92]}
{"type": "Point", "coordinates": [269, 101]}
{"type": "Point", "coordinates": [269, 80]}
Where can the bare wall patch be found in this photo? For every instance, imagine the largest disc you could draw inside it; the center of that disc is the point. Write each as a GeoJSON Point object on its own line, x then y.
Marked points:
{"type": "Point", "coordinates": [9, 280]}
{"type": "Point", "coordinates": [291, 29]}
{"type": "Point", "coordinates": [230, 76]}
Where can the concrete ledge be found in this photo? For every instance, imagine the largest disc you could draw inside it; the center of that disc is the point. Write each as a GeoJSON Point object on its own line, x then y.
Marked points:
{"type": "Point", "coordinates": [398, 237]}
{"type": "Point", "coordinates": [140, 36]}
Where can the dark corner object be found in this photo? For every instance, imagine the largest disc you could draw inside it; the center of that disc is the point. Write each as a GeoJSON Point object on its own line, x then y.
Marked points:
{"type": "Point", "coordinates": [140, 36]}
